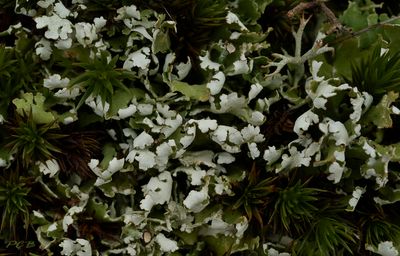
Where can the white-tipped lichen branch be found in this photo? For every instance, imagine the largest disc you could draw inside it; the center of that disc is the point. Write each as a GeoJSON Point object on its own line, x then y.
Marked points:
{"type": "Point", "coordinates": [284, 59]}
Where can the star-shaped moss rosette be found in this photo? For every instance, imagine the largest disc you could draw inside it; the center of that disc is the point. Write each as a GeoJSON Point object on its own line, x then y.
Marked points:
{"type": "Point", "coordinates": [100, 79]}
{"type": "Point", "coordinates": [14, 207]}
{"type": "Point", "coordinates": [30, 142]}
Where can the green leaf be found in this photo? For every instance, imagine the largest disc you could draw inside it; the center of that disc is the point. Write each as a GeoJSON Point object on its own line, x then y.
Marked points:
{"type": "Point", "coordinates": [121, 183]}
{"type": "Point", "coordinates": [392, 34]}
{"type": "Point", "coordinates": [230, 216]}
{"type": "Point", "coordinates": [207, 212]}
{"type": "Point", "coordinates": [220, 245]}
{"type": "Point", "coordinates": [380, 114]}
{"type": "Point", "coordinates": [196, 92]}
{"type": "Point", "coordinates": [161, 42]}
{"type": "Point", "coordinates": [188, 238]}
{"type": "Point", "coordinates": [34, 104]}
{"type": "Point", "coordinates": [353, 17]}
{"type": "Point", "coordinates": [98, 209]}
{"type": "Point", "coordinates": [345, 51]}
{"type": "Point", "coordinates": [251, 10]}
{"type": "Point", "coordinates": [390, 195]}
{"type": "Point", "coordinates": [108, 153]}
{"type": "Point", "coordinates": [120, 99]}
{"type": "Point", "coordinates": [358, 17]}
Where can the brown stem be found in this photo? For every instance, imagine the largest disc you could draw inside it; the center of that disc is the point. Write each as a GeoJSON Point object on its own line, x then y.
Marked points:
{"type": "Point", "coordinates": [301, 7]}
